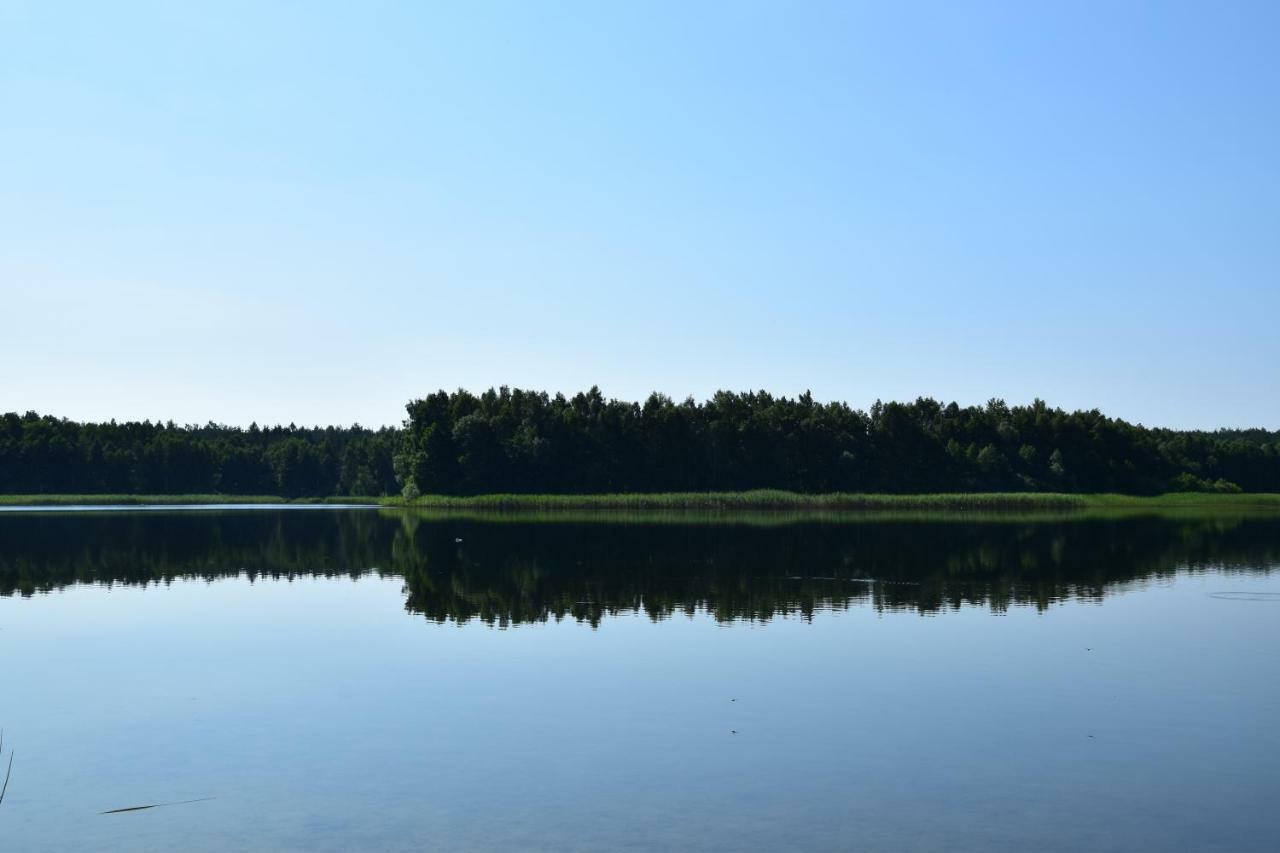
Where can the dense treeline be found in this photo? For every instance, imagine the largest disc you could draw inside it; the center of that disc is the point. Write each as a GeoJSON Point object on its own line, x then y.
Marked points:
{"type": "Point", "coordinates": [517, 441]}
{"type": "Point", "coordinates": [46, 455]}
{"type": "Point", "coordinates": [520, 441]}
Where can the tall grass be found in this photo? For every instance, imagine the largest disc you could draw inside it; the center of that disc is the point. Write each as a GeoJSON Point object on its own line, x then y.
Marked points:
{"type": "Point", "coordinates": [1187, 499]}
{"type": "Point", "coordinates": [771, 499]}
{"type": "Point", "coordinates": [757, 499]}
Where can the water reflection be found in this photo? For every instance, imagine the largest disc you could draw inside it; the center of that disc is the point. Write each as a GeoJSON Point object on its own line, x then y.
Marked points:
{"type": "Point", "coordinates": [507, 571]}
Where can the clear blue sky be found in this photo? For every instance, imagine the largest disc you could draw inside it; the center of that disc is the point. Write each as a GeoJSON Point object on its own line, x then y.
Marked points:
{"type": "Point", "coordinates": [312, 212]}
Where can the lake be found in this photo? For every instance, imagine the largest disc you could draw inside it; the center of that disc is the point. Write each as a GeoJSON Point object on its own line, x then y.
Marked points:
{"type": "Point", "coordinates": [372, 679]}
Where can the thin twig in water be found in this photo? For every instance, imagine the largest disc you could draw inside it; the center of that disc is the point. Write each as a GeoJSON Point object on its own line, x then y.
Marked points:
{"type": "Point", "coordinates": [6, 778]}
{"type": "Point", "coordinates": [157, 806]}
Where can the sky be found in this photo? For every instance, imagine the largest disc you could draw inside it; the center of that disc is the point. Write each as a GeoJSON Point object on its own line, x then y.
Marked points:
{"type": "Point", "coordinates": [312, 213]}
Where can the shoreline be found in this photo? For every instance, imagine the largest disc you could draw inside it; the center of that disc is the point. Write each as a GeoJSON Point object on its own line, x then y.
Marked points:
{"type": "Point", "coordinates": [127, 500]}
{"type": "Point", "coordinates": [768, 500]}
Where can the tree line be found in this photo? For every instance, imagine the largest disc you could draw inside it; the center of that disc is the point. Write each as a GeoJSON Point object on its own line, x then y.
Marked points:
{"type": "Point", "coordinates": [47, 455]}
{"type": "Point", "coordinates": [515, 441]}
{"type": "Point", "coordinates": [507, 440]}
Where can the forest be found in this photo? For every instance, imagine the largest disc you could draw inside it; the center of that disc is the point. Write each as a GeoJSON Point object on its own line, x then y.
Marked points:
{"type": "Point", "coordinates": [521, 441]}
{"type": "Point", "coordinates": [47, 455]}
{"type": "Point", "coordinates": [514, 441]}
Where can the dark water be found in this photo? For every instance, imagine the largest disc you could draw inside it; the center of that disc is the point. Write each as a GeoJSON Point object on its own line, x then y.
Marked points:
{"type": "Point", "coordinates": [379, 680]}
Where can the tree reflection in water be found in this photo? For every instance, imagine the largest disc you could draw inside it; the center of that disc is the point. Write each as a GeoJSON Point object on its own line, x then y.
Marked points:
{"type": "Point", "coordinates": [514, 570]}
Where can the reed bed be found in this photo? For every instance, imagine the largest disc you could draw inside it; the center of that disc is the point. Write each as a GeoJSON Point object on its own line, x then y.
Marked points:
{"type": "Point", "coordinates": [766, 499]}
{"type": "Point", "coordinates": [770, 499]}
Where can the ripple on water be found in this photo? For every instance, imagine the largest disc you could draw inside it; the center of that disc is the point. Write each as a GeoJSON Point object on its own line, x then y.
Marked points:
{"type": "Point", "coordinates": [1246, 596]}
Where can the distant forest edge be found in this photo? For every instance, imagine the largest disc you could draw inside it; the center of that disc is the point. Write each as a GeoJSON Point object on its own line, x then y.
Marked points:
{"type": "Point", "coordinates": [514, 442]}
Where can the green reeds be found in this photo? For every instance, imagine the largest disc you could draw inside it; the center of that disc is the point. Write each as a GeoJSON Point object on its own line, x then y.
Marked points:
{"type": "Point", "coordinates": [771, 499]}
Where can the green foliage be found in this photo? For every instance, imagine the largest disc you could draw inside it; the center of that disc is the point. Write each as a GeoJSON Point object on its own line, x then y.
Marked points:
{"type": "Point", "coordinates": [46, 455]}
{"type": "Point", "coordinates": [510, 441]}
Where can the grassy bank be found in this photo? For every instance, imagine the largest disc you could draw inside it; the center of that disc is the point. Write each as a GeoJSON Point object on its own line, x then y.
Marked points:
{"type": "Point", "coordinates": [767, 499]}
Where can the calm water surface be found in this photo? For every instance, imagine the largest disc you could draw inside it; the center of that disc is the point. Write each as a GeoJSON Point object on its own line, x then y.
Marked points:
{"type": "Point", "coordinates": [383, 680]}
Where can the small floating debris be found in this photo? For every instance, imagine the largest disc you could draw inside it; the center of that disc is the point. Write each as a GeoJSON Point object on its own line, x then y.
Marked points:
{"type": "Point", "coordinates": [457, 539]}
{"type": "Point", "coordinates": [157, 805]}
